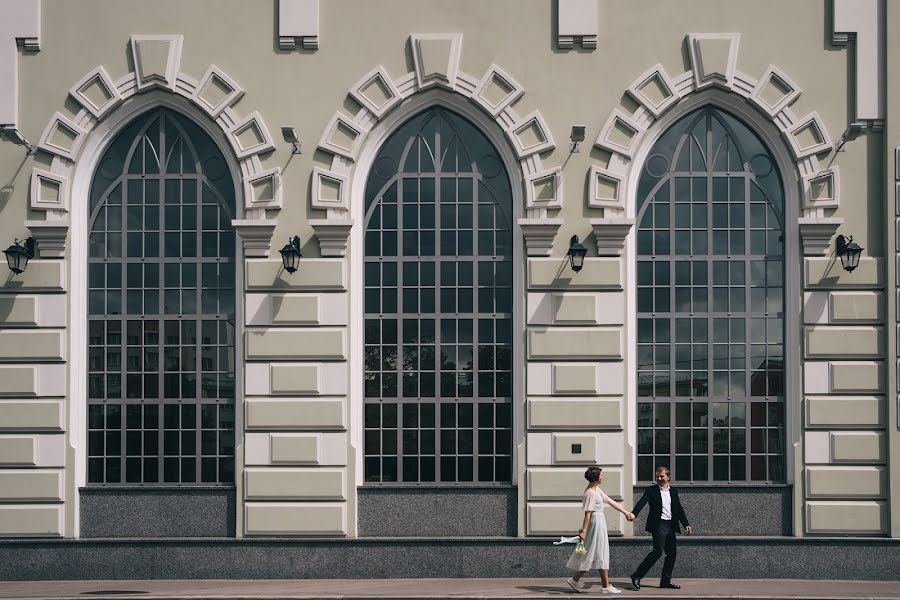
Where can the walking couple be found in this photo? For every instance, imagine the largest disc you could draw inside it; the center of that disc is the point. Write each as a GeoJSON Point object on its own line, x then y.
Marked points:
{"type": "Point", "coordinates": [666, 514]}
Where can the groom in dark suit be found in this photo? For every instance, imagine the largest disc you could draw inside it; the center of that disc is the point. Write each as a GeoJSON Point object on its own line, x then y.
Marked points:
{"type": "Point", "coordinates": [662, 523]}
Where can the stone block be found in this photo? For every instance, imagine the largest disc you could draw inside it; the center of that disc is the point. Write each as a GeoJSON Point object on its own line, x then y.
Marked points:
{"type": "Point", "coordinates": [40, 276]}
{"type": "Point", "coordinates": [574, 413]}
{"type": "Point", "coordinates": [822, 273]}
{"type": "Point", "coordinates": [295, 484]}
{"type": "Point", "coordinates": [849, 307]}
{"type": "Point", "coordinates": [297, 309]}
{"type": "Point", "coordinates": [564, 518]}
{"type": "Point", "coordinates": [856, 377]}
{"type": "Point", "coordinates": [597, 274]}
{"type": "Point", "coordinates": [845, 482]}
{"type": "Point", "coordinates": [31, 345]}
{"type": "Point", "coordinates": [295, 518]}
{"type": "Point", "coordinates": [295, 413]}
{"type": "Point", "coordinates": [31, 415]}
{"type": "Point", "coordinates": [32, 380]}
{"type": "Point", "coordinates": [576, 378]}
{"type": "Point", "coordinates": [24, 520]}
{"type": "Point", "coordinates": [313, 274]}
{"type": "Point", "coordinates": [574, 343]}
{"type": "Point", "coordinates": [850, 342]}
{"type": "Point", "coordinates": [296, 449]}
{"type": "Point", "coordinates": [858, 447]}
{"type": "Point", "coordinates": [31, 485]}
{"type": "Point", "coordinates": [844, 412]}
{"type": "Point", "coordinates": [569, 483]}
{"type": "Point", "coordinates": [846, 518]}
{"type": "Point", "coordinates": [19, 450]}
{"type": "Point", "coordinates": [296, 344]}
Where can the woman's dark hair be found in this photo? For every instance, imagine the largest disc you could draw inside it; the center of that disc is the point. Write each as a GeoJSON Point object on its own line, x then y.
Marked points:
{"type": "Point", "coordinates": [592, 474]}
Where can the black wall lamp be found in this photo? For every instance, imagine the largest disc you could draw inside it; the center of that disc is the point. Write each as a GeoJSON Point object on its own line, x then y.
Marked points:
{"type": "Point", "coordinates": [290, 254]}
{"type": "Point", "coordinates": [576, 253]}
{"type": "Point", "coordinates": [17, 256]}
{"type": "Point", "coordinates": [849, 252]}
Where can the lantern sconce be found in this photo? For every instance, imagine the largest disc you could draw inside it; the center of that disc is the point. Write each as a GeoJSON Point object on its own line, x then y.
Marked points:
{"type": "Point", "coordinates": [849, 252]}
{"type": "Point", "coordinates": [576, 253]}
{"type": "Point", "coordinates": [17, 257]}
{"type": "Point", "coordinates": [290, 254]}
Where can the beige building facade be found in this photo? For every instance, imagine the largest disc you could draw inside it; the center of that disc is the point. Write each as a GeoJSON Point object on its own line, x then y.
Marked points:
{"type": "Point", "coordinates": [435, 366]}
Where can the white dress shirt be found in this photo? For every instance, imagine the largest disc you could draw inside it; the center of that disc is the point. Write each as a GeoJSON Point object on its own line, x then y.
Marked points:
{"type": "Point", "coordinates": [666, 504]}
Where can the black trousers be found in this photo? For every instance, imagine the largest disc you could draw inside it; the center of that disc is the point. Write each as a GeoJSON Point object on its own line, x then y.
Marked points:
{"type": "Point", "coordinates": [663, 542]}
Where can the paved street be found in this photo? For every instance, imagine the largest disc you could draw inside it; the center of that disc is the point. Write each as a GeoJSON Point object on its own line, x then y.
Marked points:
{"type": "Point", "coordinates": [444, 588]}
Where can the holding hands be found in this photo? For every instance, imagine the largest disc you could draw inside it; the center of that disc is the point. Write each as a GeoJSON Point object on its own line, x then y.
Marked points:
{"type": "Point", "coordinates": [630, 516]}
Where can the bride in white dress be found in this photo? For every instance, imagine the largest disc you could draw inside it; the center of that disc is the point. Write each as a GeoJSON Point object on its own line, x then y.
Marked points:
{"type": "Point", "coordinates": [593, 534]}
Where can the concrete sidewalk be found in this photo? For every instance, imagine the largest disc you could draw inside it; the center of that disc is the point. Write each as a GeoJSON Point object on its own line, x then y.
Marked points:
{"type": "Point", "coordinates": [444, 588]}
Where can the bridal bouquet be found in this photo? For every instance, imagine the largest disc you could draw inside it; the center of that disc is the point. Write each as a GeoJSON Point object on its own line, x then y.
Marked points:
{"type": "Point", "coordinates": [580, 550]}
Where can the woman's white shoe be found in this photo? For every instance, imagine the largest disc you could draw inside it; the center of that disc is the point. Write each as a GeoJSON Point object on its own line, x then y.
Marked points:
{"type": "Point", "coordinates": [578, 587]}
{"type": "Point", "coordinates": [611, 590]}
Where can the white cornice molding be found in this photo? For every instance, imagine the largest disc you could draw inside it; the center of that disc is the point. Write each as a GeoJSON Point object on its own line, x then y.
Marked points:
{"type": "Point", "coordinates": [539, 235]}
{"type": "Point", "coordinates": [610, 235]}
{"type": "Point", "coordinates": [255, 235]}
{"type": "Point", "coordinates": [862, 21]}
{"type": "Point", "coordinates": [333, 235]}
{"type": "Point", "coordinates": [816, 234]}
{"type": "Point", "coordinates": [20, 27]}
{"type": "Point", "coordinates": [298, 24]}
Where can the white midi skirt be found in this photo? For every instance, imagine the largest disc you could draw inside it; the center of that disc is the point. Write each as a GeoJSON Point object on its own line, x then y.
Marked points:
{"type": "Point", "coordinates": [596, 542]}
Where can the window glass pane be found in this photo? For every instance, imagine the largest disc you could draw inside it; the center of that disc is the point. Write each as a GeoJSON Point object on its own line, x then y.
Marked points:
{"type": "Point", "coordinates": [438, 188]}
{"type": "Point", "coordinates": [724, 303]}
{"type": "Point", "coordinates": [135, 210]}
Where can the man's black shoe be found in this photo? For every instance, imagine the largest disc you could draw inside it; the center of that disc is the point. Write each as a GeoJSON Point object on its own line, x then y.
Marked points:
{"type": "Point", "coordinates": [670, 585]}
{"type": "Point", "coordinates": [636, 582]}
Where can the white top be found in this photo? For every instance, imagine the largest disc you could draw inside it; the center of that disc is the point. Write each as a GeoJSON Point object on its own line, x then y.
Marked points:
{"type": "Point", "coordinates": [666, 504]}
{"type": "Point", "coordinates": [594, 500]}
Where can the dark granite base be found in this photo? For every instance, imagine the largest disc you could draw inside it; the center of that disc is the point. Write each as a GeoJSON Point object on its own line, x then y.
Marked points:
{"type": "Point", "coordinates": [752, 511]}
{"type": "Point", "coordinates": [157, 512]}
{"type": "Point", "coordinates": [436, 512]}
{"type": "Point", "coordinates": [769, 558]}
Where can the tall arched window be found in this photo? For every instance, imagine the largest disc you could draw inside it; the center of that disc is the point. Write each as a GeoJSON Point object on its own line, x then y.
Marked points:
{"type": "Point", "coordinates": [710, 304]}
{"type": "Point", "coordinates": [161, 322]}
{"type": "Point", "coordinates": [438, 306]}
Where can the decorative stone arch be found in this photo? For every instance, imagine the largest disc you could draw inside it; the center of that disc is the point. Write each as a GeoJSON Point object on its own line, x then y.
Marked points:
{"type": "Point", "coordinates": [77, 143]}
{"type": "Point", "coordinates": [627, 134]}
{"type": "Point", "coordinates": [103, 110]}
{"type": "Point", "coordinates": [811, 188]}
{"type": "Point", "coordinates": [436, 70]}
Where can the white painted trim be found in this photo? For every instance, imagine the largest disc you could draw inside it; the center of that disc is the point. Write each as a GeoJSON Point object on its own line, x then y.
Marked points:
{"type": "Point", "coordinates": [774, 73]}
{"type": "Point", "coordinates": [378, 74]}
{"type": "Point", "coordinates": [424, 79]}
{"type": "Point", "coordinates": [100, 77]}
{"type": "Point", "coordinates": [213, 72]}
{"type": "Point", "coordinates": [92, 150]}
{"type": "Point", "coordinates": [62, 183]}
{"type": "Point", "coordinates": [274, 177]}
{"type": "Point", "coordinates": [146, 80]}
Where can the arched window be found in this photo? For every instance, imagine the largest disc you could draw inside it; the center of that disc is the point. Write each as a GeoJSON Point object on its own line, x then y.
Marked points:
{"type": "Point", "coordinates": [161, 316]}
{"type": "Point", "coordinates": [438, 306]}
{"type": "Point", "coordinates": [710, 304]}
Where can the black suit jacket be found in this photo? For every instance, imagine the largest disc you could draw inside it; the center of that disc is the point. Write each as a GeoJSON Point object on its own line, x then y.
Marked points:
{"type": "Point", "coordinates": [653, 496]}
